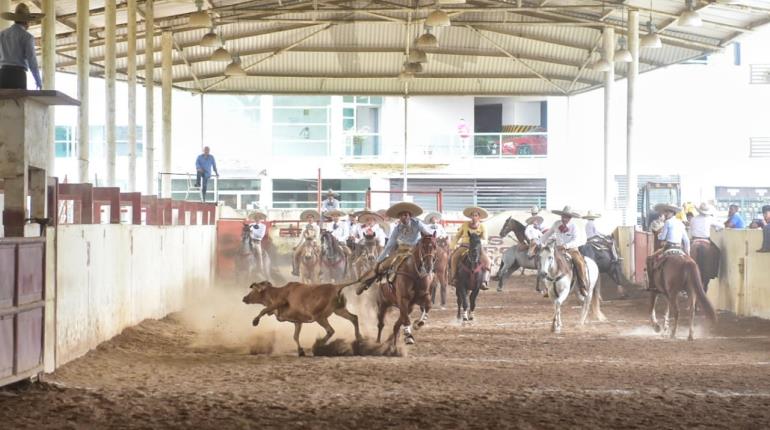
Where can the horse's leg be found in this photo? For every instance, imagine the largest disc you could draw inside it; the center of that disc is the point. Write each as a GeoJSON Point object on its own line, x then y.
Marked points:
{"type": "Point", "coordinates": [323, 322]}
{"type": "Point", "coordinates": [500, 275]}
{"type": "Point", "coordinates": [443, 283]}
{"type": "Point", "coordinates": [433, 290]}
{"type": "Point", "coordinates": [353, 318]}
{"type": "Point", "coordinates": [586, 305]}
{"type": "Point", "coordinates": [458, 293]}
{"type": "Point", "coordinates": [674, 305]}
{"type": "Point", "coordinates": [297, 328]}
{"type": "Point", "coordinates": [556, 311]}
{"type": "Point", "coordinates": [381, 310]}
{"type": "Point", "coordinates": [474, 294]}
{"type": "Point", "coordinates": [596, 301]}
{"type": "Point", "coordinates": [693, 301]}
{"type": "Point", "coordinates": [653, 319]}
{"type": "Point", "coordinates": [465, 303]}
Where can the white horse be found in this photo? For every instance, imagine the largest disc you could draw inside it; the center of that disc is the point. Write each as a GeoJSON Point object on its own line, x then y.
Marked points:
{"type": "Point", "coordinates": [560, 280]}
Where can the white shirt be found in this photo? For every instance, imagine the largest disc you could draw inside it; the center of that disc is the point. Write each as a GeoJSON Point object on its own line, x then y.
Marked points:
{"type": "Point", "coordinates": [533, 233]}
{"type": "Point", "coordinates": [354, 229]}
{"type": "Point", "coordinates": [569, 238]}
{"type": "Point", "coordinates": [591, 229]}
{"type": "Point", "coordinates": [339, 230]}
{"type": "Point", "coordinates": [316, 233]}
{"type": "Point", "coordinates": [329, 205]}
{"type": "Point", "coordinates": [673, 231]}
{"type": "Point", "coordinates": [365, 229]}
{"type": "Point", "coordinates": [700, 226]}
{"type": "Point", "coordinates": [438, 229]}
{"type": "Point", "coordinates": [257, 231]}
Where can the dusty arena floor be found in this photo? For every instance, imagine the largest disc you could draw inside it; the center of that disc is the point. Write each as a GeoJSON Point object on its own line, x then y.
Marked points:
{"type": "Point", "coordinates": [207, 368]}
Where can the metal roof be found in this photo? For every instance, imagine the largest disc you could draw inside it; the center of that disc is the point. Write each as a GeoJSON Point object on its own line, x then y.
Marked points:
{"type": "Point", "coordinates": [358, 47]}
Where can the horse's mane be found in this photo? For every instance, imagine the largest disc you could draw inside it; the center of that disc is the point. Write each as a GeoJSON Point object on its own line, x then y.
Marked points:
{"type": "Point", "coordinates": [518, 231]}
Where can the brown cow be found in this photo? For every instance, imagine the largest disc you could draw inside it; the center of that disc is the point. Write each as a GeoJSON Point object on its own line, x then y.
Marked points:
{"type": "Point", "coordinates": [302, 303]}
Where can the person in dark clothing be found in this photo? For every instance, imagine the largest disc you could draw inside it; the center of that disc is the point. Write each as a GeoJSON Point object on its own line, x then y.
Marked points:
{"type": "Point", "coordinates": [765, 230]}
{"type": "Point", "coordinates": [203, 165]}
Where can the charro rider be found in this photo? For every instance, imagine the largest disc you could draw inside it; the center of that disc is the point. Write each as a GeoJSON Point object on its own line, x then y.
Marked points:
{"type": "Point", "coordinates": [338, 229]}
{"type": "Point", "coordinates": [309, 236]}
{"type": "Point", "coordinates": [567, 238]}
{"type": "Point", "coordinates": [433, 222]}
{"type": "Point", "coordinates": [404, 236]}
{"type": "Point", "coordinates": [674, 237]}
{"type": "Point", "coordinates": [369, 226]}
{"type": "Point", "coordinates": [462, 238]}
{"type": "Point", "coordinates": [533, 232]}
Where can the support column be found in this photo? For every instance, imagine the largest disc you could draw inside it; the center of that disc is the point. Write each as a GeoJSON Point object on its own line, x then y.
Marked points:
{"type": "Point", "coordinates": [633, 71]}
{"type": "Point", "coordinates": [5, 6]}
{"type": "Point", "coordinates": [83, 60]}
{"type": "Point", "coordinates": [131, 78]}
{"type": "Point", "coordinates": [109, 79]}
{"type": "Point", "coordinates": [167, 45]}
{"type": "Point", "coordinates": [608, 52]}
{"type": "Point", "coordinates": [406, 139]}
{"type": "Point", "coordinates": [149, 85]}
{"type": "Point", "coordinates": [49, 76]}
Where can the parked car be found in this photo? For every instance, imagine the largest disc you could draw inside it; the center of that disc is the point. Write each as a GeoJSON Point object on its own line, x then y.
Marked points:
{"type": "Point", "coordinates": [529, 144]}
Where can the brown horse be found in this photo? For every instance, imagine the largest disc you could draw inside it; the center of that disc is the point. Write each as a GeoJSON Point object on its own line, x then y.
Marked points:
{"type": "Point", "coordinates": [441, 278]}
{"type": "Point", "coordinates": [409, 285]}
{"type": "Point", "coordinates": [675, 274]}
{"type": "Point", "coordinates": [706, 256]}
{"type": "Point", "coordinates": [309, 264]}
{"type": "Point", "coordinates": [368, 251]}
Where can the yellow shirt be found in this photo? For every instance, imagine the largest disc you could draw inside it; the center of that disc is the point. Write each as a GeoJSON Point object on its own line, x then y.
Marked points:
{"type": "Point", "coordinates": [463, 237]}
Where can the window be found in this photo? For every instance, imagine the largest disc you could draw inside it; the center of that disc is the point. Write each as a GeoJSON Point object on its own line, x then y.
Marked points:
{"type": "Point", "coordinates": [234, 120]}
{"type": "Point", "coordinates": [303, 193]}
{"type": "Point", "coordinates": [240, 193]}
{"type": "Point", "coordinates": [361, 124]}
{"type": "Point", "coordinates": [505, 127]}
{"type": "Point", "coordinates": [301, 125]}
{"type": "Point", "coordinates": [121, 141]}
{"type": "Point", "coordinates": [64, 141]}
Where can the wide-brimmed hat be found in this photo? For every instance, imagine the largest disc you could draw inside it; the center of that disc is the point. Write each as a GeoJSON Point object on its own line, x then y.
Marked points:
{"type": "Point", "coordinates": [471, 209]}
{"type": "Point", "coordinates": [330, 192]}
{"type": "Point", "coordinates": [567, 211]}
{"type": "Point", "coordinates": [365, 216]}
{"type": "Point", "coordinates": [432, 215]}
{"type": "Point", "coordinates": [307, 212]}
{"type": "Point", "coordinates": [21, 14]}
{"type": "Point", "coordinates": [705, 209]}
{"type": "Point", "coordinates": [532, 219]}
{"type": "Point", "coordinates": [591, 215]}
{"type": "Point", "coordinates": [334, 212]}
{"type": "Point", "coordinates": [257, 215]}
{"type": "Point", "coordinates": [401, 207]}
{"type": "Point", "coordinates": [662, 207]}
{"type": "Point", "coordinates": [534, 210]}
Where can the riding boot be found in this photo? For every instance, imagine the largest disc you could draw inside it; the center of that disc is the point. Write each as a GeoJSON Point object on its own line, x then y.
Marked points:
{"type": "Point", "coordinates": [485, 279]}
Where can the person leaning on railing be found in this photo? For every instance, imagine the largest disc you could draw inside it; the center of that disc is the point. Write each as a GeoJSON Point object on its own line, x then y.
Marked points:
{"type": "Point", "coordinates": [203, 166]}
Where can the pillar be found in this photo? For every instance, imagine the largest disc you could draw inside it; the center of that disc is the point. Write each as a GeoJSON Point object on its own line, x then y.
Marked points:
{"type": "Point", "coordinates": [49, 75]}
{"type": "Point", "coordinates": [149, 85]}
{"type": "Point", "coordinates": [633, 71]}
{"type": "Point", "coordinates": [167, 46]}
{"type": "Point", "coordinates": [608, 52]}
{"type": "Point", "coordinates": [83, 60]}
{"type": "Point", "coordinates": [109, 81]}
{"type": "Point", "coordinates": [131, 78]}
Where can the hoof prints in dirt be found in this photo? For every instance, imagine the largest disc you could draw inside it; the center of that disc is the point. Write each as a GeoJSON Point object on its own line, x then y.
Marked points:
{"type": "Point", "coordinates": [342, 348]}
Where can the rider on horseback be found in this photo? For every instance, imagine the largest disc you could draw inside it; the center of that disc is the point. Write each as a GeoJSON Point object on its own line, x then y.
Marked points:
{"type": "Point", "coordinates": [404, 236]}
{"type": "Point", "coordinates": [596, 239]}
{"type": "Point", "coordinates": [369, 227]}
{"type": "Point", "coordinates": [700, 225]}
{"type": "Point", "coordinates": [674, 235]}
{"type": "Point", "coordinates": [462, 238]}
{"type": "Point", "coordinates": [567, 238]}
{"type": "Point", "coordinates": [308, 237]}
{"type": "Point", "coordinates": [339, 230]}
{"type": "Point", "coordinates": [433, 220]}
{"type": "Point", "coordinates": [533, 232]}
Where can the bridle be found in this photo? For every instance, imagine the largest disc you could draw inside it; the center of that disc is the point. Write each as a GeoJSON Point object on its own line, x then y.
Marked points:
{"type": "Point", "coordinates": [425, 255]}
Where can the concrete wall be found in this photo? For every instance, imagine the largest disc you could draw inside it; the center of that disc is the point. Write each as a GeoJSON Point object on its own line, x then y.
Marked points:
{"type": "Point", "coordinates": [744, 275]}
{"type": "Point", "coordinates": [111, 277]}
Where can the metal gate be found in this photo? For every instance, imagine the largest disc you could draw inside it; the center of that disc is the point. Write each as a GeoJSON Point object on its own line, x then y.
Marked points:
{"type": "Point", "coordinates": [643, 247]}
{"type": "Point", "coordinates": [22, 308]}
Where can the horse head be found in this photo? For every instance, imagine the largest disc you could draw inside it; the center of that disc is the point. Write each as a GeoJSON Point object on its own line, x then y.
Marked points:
{"type": "Point", "coordinates": [546, 257]}
{"type": "Point", "coordinates": [474, 250]}
{"type": "Point", "coordinates": [425, 254]}
{"type": "Point", "coordinates": [507, 227]}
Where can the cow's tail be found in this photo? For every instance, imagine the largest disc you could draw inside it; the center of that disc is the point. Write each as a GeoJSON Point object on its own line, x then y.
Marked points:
{"type": "Point", "coordinates": [692, 275]}
{"type": "Point", "coordinates": [340, 289]}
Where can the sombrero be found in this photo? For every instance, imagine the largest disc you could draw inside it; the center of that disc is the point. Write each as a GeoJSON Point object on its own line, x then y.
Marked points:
{"type": "Point", "coordinates": [591, 215]}
{"type": "Point", "coordinates": [383, 214]}
{"type": "Point", "coordinates": [21, 14]}
{"type": "Point", "coordinates": [705, 209]}
{"type": "Point", "coordinates": [303, 216]}
{"type": "Point", "coordinates": [662, 207]}
{"type": "Point", "coordinates": [567, 211]}
{"type": "Point", "coordinates": [334, 212]}
{"type": "Point", "coordinates": [471, 209]}
{"type": "Point", "coordinates": [534, 210]}
{"type": "Point", "coordinates": [365, 216]}
{"type": "Point", "coordinates": [330, 192]}
{"type": "Point", "coordinates": [432, 215]}
{"type": "Point", "coordinates": [257, 215]}
{"type": "Point", "coordinates": [401, 207]}
{"type": "Point", "coordinates": [532, 219]}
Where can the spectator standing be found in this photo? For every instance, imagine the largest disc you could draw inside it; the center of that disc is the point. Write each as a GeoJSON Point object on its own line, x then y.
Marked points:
{"type": "Point", "coordinates": [203, 166]}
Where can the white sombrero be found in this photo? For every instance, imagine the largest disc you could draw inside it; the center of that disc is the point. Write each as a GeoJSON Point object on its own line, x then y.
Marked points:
{"type": "Point", "coordinates": [303, 216]}
{"type": "Point", "coordinates": [567, 211]}
{"type": "Point", "coordinates": [591, 215]}
{"type": "Point", "coordinates": [705, 209]}
{"type": "Point", "coordinates": [532, 219]}
{"type": "Point", "coordinates": [432, 215]}
{"type": "Point", "coordinates": [662, 207]}
{"type": "Point", "coordinates": [472, 209]}
{"type": "Point", "coordinates": [534, 210]}
{"type": "Point", "coordinates": [334, 212]}
{"type": "Point", "coordinates": [401, 207]}
{"type": "Point", "coordinates": [257, 215]}
{"type": "Point", "coordinates": [21, 14]}
{"type": "Point", "coordinates": [364, 216]}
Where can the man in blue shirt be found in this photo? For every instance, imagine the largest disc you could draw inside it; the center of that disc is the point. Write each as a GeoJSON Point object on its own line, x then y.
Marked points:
{"type": "Point", "coordinates": [17, 50]}
{"type": "Point", "coordinates": [203, 164]}
{"type": "Point", "coordinates": [733, 219]}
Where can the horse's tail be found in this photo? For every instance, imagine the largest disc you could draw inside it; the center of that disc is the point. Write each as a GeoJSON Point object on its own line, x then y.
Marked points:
{"type": "Point", "coordinates": [692, 277]}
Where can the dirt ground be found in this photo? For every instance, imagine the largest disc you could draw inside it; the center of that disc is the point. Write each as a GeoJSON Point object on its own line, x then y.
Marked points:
{"type": "Point", "coordinates": [207, 368]}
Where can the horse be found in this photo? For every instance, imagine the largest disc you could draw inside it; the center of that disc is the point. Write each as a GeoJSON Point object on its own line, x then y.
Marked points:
{"type": "Point", "coordinates": [561, 278]}
{"type": "Point", "coordinates": [409, 285]}
{"type": "Point", "coordinates": [309, 264]}
{"type": "Point", "coordinates": [245, 264]}
{"type": "Point", "coordinates": [441, 278]}
{"type": "Point", "coordinates": [677, 273]}
{"type": "Point", "coordinates": [468, 278]}
{"type": "Point", "coordinates": [597, 249]}
{"type": "Point", "coordinates": [515, 257]}
{"type": "Point", "coordinates": [707, 256]}
{"type": "Point", "coordinates": [368, 251]}
{"type": "Point", "coordinates": [333, 260]}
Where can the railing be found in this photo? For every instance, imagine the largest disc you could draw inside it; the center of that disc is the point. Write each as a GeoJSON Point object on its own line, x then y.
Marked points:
{"type": "Point", "coordinates": [508, 145]}
{"type": "Point", "coordinates": [187, 187]}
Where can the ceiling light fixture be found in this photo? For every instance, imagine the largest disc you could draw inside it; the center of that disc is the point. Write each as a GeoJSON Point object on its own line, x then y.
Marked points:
{"type": "Point", "coordinates": [210, 39]}
{"type": "Point", "coordinates": [690, 17]}
{"type": "Point", "coordinates": [201, 18]}
{"type": "Point", "coordinates": [221, 55]}
{"type": "Point", "coordinates": [651, 39]}
{"type": "Point", "coordinates": [234, 68]}
{"type": "Point", "coordinates": [622, 55]}
{"type": "Point", "coordinates": [601, 65]}
{"type": "Point", "coordinates": [438, 18]}
{"type": "Point", "coordinates": [417, 56]}
{"type": "Point", "coordinates": [426, 40]}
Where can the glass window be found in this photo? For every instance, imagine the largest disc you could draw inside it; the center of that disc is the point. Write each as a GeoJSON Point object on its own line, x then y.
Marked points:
{"type": "Point", "coordinates": [303, 193]}
{"type": "Point", "coordinates": [301, 125]}
{"type": "Point", "coordinates": [292, 101]}
{"type": "Point", "coordinates": [361, 123]}
{"type": "Point", "coordinates": [234, 120]}
{"type": "Point", "coordinates": [300, 116]}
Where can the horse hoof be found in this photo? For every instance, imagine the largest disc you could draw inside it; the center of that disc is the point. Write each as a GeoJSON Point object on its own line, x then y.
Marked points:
{"type": "Point", "coordinates": [499, 290]}
{"type": "Point", "coordinates": [409, 340]}
{"type": "Point", "coordinates": [656, 327]}
{"type": "Point", "coordinates": [301, 352]}
{"type": "Point", "coordinates": [690, 338]}
{"type": "Point", "coordinates": [419, 324]}
{"type": "Point", "coordinates": [470, 316]}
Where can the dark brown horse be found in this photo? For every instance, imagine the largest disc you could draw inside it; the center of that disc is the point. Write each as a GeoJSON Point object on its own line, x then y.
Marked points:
{"type": "Point", "coordinates": [407, 286]}
{"type": "Point", "coordinates": [706, 256]}
{"type": "Point", "coordinates": [334, 262]}
{"type": "Point", "coordinates": [677, 273]}
{"type": "Point", "coordinates": [441, 278]}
